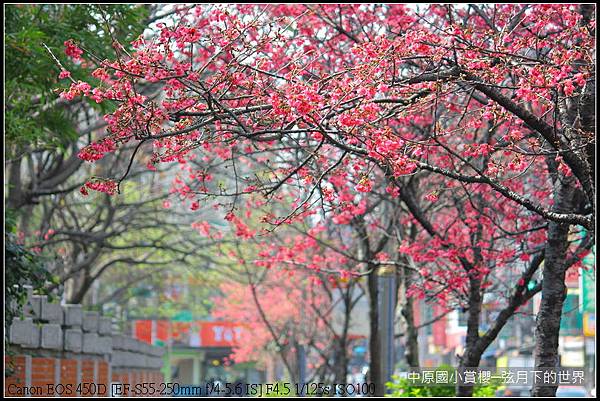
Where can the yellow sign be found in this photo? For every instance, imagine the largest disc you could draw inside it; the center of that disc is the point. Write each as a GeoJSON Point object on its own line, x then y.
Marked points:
{"type": "Point", "coordinates": [502, 362]}
{"type": "Point", "coordinates": [589, 324]}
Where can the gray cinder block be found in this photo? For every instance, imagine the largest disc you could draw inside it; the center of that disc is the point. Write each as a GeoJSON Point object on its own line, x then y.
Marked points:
{"type": "Point", "coordinates": [33, 306]}
{"type": "Point", "coordinates": [115, 358]}
{"type": "Point", "coordinates": [52, 336]}
{"type": "Point", "coordinates": [104, 325]}
{"type": "Point", "coordinates": [73, 315]}
{"type": "Point", "coordinates": [135, 346]}
{"type": "Point", "coordinates": [51, 312]}
{"type": "Point", "coordinates": [90, 343]}
{"type": "Point", "coordinates": [122, 359]}
{"type": "Point", "coordinates": [143, 349]}
{"type": "Point", "coordinates": [29, 290]}
{"type": "Point", "coordinates": [104, 345]}
{"type": "Point", "coordinates": [151, 362]}
{"type": "Point", "coordinates": [149, 350]}
{"type": "Point", "coordinates": [157, 363]}
{"type": "Point", "coordinates": [25, 333]}
{"type": "Point", "coordinates": [90, 322]}
{"type": "Point", "coordinates": [130, 344]}
{"type": "Point", "coordinates": [73, 340]}
{"type": "Point", "coordinates": [129, 359]}
{"type": "Point", "coordinates": [159, 351]}
{"type": "Point", "coordinates": [118, 341]}
{"type": "Point", "coordinates": [139, 360]}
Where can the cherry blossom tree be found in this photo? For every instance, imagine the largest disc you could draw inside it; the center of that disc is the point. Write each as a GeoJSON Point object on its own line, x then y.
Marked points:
{"type": "Point", "coordinates": [496, 100]}
{"type": "Point", "coordinates": [289, 291]}
{"type": "Point", "coordinates": [283, 313]}
{"type": "Point", "coordinates": [470, 252]}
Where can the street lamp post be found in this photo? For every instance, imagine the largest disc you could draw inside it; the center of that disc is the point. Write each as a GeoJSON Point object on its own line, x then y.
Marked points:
{"type": "Point", "coordinates": [387, 301]}
{"type": "Point", "coordinates": [301, 354]}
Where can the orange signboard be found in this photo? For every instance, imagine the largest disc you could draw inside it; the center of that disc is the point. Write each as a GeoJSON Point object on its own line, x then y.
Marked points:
{"type": "Point", "coordinates": [220, 334]}
{"type": "Point", "coordinates": [194, 334]}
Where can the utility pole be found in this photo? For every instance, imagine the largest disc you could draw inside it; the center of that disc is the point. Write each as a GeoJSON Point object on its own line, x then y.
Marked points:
{"type": "Point", "coordinates": [301, 355]}
{"type": "Point", "coordinates": [301, 367]}
{"type": "Point", "coordinates": [387, 301]}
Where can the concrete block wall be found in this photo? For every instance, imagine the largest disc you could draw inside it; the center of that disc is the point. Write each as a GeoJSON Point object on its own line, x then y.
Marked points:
{"type": "Point", "coordinates": [64, 345]}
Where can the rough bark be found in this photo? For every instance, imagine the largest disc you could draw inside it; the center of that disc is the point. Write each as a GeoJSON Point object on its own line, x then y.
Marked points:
{"type": "Point", "coordinates": [411, 352]}
{"type": "Point", "coordinates": [553, 289]}
{"type": "Point", "coordinates": [341, 362]}
{"type": "Point", "coordinates": [473, 348]}
{"type": "Point", "coordinates": [581, 115]}
{"type": "Point", "coordinates": [470, 359]}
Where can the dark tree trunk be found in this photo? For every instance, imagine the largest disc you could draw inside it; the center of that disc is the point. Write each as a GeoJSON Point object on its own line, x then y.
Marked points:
{"type": "Point", "coordinates": [82, 285]}
{"type": "Point", "coordinates": [553, 289]}
{"type": "Point", "coordinates": [375, 374]}
{"type": "Point", "coordinates": [412, 343]}
{"type": "Point", "coordinates": [473, 350]}
{"type": "Point", "coordinates": [411, 352]}
{"type": "Point", "coordinates": [341, 363]}
{"type": "Point", "coordinates": [579, 114]}
{"type": "Point", "coordinates": [15, 189]}
{"type": "Point", "coordinates": [470, 359]}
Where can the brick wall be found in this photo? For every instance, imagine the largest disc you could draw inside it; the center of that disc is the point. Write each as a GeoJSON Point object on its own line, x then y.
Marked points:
{"type": "Point", "coordinates": [60, 350]}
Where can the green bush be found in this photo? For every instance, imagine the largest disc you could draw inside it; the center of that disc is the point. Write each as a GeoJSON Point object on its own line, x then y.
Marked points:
{"type": "Point", "coordinates": [401, 387]}
{"type": "Point", "coordinates": [20, 267]}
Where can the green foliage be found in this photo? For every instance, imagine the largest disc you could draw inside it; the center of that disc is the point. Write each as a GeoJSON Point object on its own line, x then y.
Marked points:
{"type": "Point", "coordinates": [401, 387]}
{"type": "Point", "coordinates": [33, 115]}
{"type": "Point", "coordinates": [486, 391]}
{"type": "Point", "coordinates": [21, 267]}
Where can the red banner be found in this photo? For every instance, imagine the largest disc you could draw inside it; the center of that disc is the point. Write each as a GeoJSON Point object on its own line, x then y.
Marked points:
{"type": "Point", "coordinates": [143, 330]}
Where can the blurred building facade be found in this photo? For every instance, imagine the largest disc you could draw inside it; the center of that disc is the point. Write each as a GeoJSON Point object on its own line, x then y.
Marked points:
{"type": "Point", "coordinates": [197, 352]}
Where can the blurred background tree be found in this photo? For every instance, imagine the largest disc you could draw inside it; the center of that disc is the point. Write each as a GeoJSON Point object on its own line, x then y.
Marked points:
{"type": "Point", "coordinates": [56, 239]}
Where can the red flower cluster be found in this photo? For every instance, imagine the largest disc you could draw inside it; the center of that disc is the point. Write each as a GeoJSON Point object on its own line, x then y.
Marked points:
{"type": "Point", "coordinates": [72, 50]}
{"type": "Point", "coordinates": [97, 150]}
{"type": "Point", "coordinates": [107, 186]}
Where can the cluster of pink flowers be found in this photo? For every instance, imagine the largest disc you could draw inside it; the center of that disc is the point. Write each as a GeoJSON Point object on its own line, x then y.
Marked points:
{"type": "Point", "coordinates": [202, 227]}
{"type": "Point", "coordinates": [242, 230]}
{"type": "Point", "coordinates": [75, 90]}
{"type": "Point", "coordinates": [97, 150]}
{"type": "Point", "coordinates": [101, 185]}
{"type": "Point", "coordinates": [478, 149]}
{"type": "Point", "coordinates": [97, 95]}
{"type": "Point", "coordinates": [64, 74]}
{"type": "Point", "coordinates": [72, 50]}
{"type": "Point", "coordinates": [432, 196]}
{"type": "Point", "coordinates": [101, 74]}
{"type": "Point", "coordinates": [403, 165]}
{"type": "Point", "coordinates": [393, 190]}
{"type": "Point", "coordinates": [364, 185]}
{"type": "Point", "coordinates": [348, 211]}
